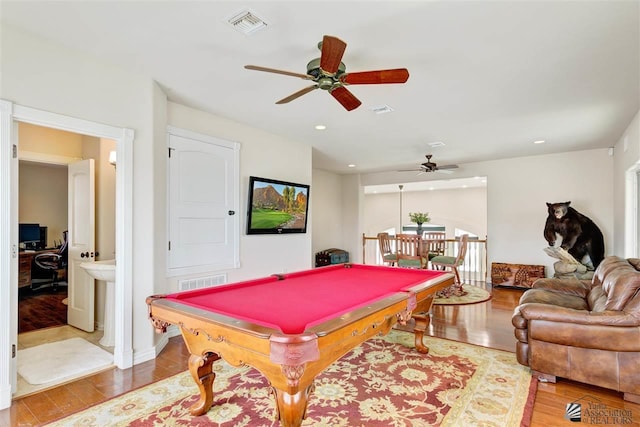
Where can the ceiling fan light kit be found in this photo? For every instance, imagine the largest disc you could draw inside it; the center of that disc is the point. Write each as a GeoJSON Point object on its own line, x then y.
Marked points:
{"type": "Point", "coordinates": [329, 73]}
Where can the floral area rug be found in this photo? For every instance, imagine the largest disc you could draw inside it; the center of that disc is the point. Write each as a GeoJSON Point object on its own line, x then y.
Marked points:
{"type": "Point", "coordinates": [384, 382]}
{"type": "Point", "coordinates": [470, 295]}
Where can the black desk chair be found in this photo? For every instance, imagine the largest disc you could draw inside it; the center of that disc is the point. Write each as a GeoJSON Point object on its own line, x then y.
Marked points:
{"type": "Point", "coordinates": [50, 267]}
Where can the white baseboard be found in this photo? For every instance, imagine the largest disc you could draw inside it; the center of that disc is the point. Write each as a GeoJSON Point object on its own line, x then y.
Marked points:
{"type": "Point", "coordinates": [5, 400]}
{"type": "Point", "coordinates": [172, 331]}
{"type": "Point", "coordinates": [153, 352]}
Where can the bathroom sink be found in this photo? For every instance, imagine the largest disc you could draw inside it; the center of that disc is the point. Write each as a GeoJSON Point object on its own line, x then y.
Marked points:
{"type": "Point", "coordinates": [105, 270]}
{"type": "Point", "coordinates": [101, 270]}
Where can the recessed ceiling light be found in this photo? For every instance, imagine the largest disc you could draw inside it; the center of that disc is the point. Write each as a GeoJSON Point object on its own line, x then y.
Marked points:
{"type": "Point", "coordinates": [465, 186]}
{"type": "Point", "coordinates": [351, 165]}
{"type": "Point", "coordinates": [541, 141]}
{"type": "Point", "coordinates": [431, 188]}
{"type": "Point", "coordinates": [436, 144]}
{"type": "Point", "coordinates": [320, 127]}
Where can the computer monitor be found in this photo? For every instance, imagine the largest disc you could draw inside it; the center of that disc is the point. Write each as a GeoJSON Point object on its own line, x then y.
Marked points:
{"type": "Point", "coordinates": [43, 237]}
{"type": "Point", "coordinates": [29, 234]}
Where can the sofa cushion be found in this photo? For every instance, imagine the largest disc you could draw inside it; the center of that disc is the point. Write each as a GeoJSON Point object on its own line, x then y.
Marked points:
{"type": "Point", "coordinates": [606, 266]}
{"type": "Point", "coordinates": [579, 288]}
{"type": "Point", "coordinates": [543, 296]}
{"type": "Point", "coordinates": [597, 299]}
{"type": "Point", "coordinates": [635, 262]}
{"type": "Point", "coordinates": [620, 285]}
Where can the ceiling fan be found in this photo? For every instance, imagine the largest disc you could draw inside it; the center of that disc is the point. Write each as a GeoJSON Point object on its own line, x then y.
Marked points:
{"type": "Point", "coordinates": [430, 166]}
{"type": "Point", "coordinates": [329, 73]}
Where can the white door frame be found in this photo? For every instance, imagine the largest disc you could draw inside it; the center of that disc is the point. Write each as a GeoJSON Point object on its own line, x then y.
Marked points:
{"type": "Point", "coordinates": [632, 212]}
{"type": "Point", "coordinates": [10, 114]}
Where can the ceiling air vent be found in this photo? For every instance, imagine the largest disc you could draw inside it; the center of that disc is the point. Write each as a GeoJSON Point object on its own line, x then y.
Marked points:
{"type": "Point", "coordinates": [381, 109]}
{"type": "Point", "coordinates": [246, 22]}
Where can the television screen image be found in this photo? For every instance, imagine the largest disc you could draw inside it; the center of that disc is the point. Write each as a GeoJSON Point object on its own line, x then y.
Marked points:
{"type": "Point", "coordinates": [277, 207]}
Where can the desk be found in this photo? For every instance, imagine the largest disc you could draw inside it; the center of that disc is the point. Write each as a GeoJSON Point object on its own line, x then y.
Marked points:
{"type": "Point", "coordinates": [25, 263]}
{"type": "Point", "coordinates": [292, 326]}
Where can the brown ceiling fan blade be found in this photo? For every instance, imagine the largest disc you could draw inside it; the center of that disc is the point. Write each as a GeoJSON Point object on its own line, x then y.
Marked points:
{"type": "Point", "coordinates": [398, 75]}
{"type": "Point", "coordinates": [332, 51]}
{"type": "Point", "coordinates": [448, 167]}
{"type": "Point", "coordinates": [346, 98]}
{"type": "Point", "coordinates": [273, 70]}
{"type": "Point", "coordinates": [298, 94]}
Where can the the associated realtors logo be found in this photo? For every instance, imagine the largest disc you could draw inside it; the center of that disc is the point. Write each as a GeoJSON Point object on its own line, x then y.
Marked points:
{"type": "Point", "coordinates": [594, 412]}
{"type": "Point", "coordinates": [573, 412]}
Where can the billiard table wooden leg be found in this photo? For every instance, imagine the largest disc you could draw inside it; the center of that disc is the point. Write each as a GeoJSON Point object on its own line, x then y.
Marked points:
{"type": "Point", "coordinates": [292, 408]}
{"type": "Point", "coordinates": [422, 323]}
{"type": "Point", "coordinates": [202, 373]}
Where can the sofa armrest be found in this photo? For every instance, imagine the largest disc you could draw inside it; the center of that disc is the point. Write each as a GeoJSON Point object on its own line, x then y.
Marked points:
{"type": "Point", "coordinates": [554, 313]}
{"type": "Point", "coordinates": [607, 330]}
{"type": "Point", "coordinates": [580, 288]}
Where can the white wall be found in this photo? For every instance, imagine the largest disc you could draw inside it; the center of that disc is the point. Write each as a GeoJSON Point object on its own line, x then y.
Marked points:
{"type": "Point", "coordinates": [42, 195]}
{"type": "Point", "coordinates": [517, 190]}
{"type": "Point", "coordinates": [464, 208]}
{"type": "Point", "coordinates": [326, 209]}
{"type": "Point", "coordinates": [105, 226]}
{"type": "Point", "coordinates": [626, 162]}
{"type": "Point", "coordinates": [81, 86]}
{"type": "Point", "coordinates": [352, 215]}
{"type": "Point", "coordinates": [261, 154]}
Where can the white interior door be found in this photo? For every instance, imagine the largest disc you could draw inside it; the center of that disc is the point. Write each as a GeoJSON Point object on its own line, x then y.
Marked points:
{"type": "Point", "coordinates": [80, 309]}
{"type": "Point", "coordinates": [203, 203]}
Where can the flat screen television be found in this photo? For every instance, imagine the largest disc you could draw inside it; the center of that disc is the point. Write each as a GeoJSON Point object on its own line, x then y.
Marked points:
{"type": "Point", "coordinates": [277, 207]}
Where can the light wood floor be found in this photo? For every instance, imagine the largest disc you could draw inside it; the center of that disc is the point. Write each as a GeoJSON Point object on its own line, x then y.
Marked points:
{"type": "Point", "coordinates": [485, 324]}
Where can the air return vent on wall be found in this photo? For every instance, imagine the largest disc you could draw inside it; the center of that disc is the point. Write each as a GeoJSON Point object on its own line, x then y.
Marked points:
{"type": "Point", "coordinates": [246, 22]}
{"type": "Point", "coordinates": [202, 282]}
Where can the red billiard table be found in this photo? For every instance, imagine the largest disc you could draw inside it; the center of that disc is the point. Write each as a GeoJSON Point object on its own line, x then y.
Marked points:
{"type": "Point", "coordinates": [291, 327]}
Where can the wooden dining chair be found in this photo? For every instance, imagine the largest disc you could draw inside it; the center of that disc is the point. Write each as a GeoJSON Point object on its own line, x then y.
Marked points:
{"type": "Point", "coordinates": [410, 252]}
{"type": "Point", "coordinates": [386, 249]}
{"type": "Point", "coordinates": [442, 262]}
{"type": "Point", "coordinates": [434, 243]}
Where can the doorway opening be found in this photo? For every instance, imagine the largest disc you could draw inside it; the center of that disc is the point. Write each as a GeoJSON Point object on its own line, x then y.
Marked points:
{"type": "Point", "coordinates": [44, 283]}
{"type": "Point", "coordinates": [10, 117]}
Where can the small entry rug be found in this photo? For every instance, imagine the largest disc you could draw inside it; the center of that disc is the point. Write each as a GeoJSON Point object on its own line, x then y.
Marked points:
{"type": "Point", "coordinates": [60, 360]}
{"type": "Point", "coordinates": [384, 382]}
{"type": "Point", "coordinates": [474, 294]}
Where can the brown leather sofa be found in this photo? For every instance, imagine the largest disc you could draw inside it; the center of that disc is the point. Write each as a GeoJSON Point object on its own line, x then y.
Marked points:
{"type": "Point", "coordinates": [587, 331]}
